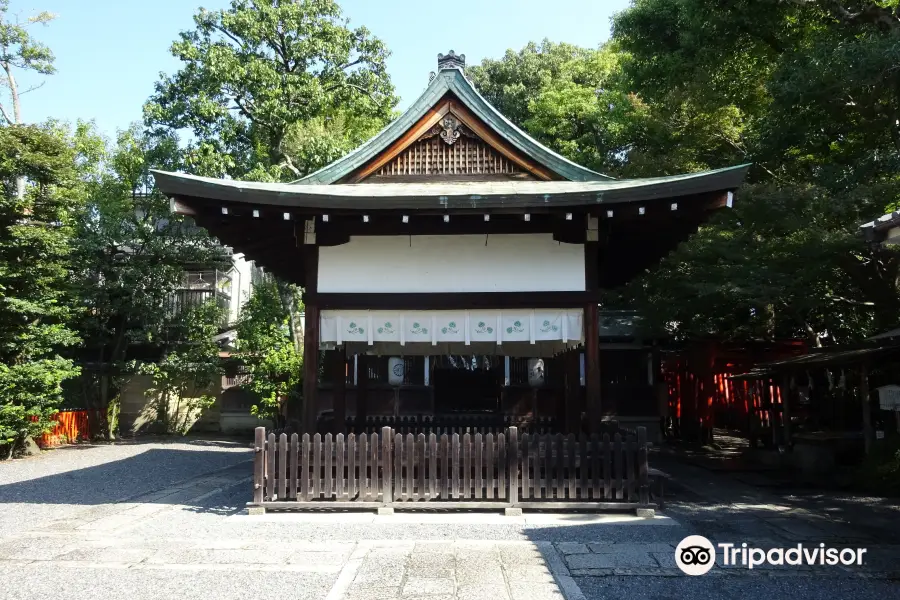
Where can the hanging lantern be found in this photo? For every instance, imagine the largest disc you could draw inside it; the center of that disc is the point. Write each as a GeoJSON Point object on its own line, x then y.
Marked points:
{"type": "Point", "coordinates": [396, 370]}
{"type": "Point", "coordinates": [536, 372]}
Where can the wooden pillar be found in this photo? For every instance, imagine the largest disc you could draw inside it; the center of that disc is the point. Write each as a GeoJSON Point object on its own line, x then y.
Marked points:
{"type": "Point", "coordinates": [339, 390]}
{"type": "Point", "coordinates": [775, 410]}
{"type": "Point", "coordinates": [786, 409]}
{"type": "Point", "coordinates": [311, 368]}
{"type": "Point", "coordinates": [362, 392]}
{"type": "Point", "coordinates": [868, 435]}
{"type": "Point", "coordinates": [592, 367]}
{"type": "Point", "coordinates": [592, 385]}
{"type": "Point", "coordinates": [311, 341]}
{"type": "Point", "coordinates": [767, 402]}
{"type": "Point", "coordinates": [573, 386]}
{"type": "Point", "coordinates": [707, 391]}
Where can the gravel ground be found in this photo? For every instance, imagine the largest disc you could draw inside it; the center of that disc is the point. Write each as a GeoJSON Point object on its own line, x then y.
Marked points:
{"type": "Point", "coordinates": [45, 488]}
{"type": "Point", "coordinates": [204, 519]}
{"type": "Point", "coordinates": [163, 584]}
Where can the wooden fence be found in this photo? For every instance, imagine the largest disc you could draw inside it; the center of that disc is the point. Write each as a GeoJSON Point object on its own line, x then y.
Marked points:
{"type": "Point", "coordinates": [503, 470]}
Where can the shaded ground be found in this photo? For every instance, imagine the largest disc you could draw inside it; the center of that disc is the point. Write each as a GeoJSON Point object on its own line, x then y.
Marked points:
{"type": "Point", "coordinates": [775, 504]}
{"type": "Point", "coordinates": [162, 519]}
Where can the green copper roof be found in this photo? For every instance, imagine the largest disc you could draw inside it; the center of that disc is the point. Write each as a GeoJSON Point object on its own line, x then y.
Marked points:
{"type": "Point", "coordinates": [452, 80]}
{"type": "Point", "coordinates": [472, 195]}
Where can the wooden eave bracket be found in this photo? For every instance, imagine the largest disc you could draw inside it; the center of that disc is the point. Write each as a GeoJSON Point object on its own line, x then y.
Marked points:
{"type": "Point", "coordinates": [178, 207]}
{"type": "Point", "coordinates": [592, 234]}
{"type": "Point", "coordinates": [309, 232]}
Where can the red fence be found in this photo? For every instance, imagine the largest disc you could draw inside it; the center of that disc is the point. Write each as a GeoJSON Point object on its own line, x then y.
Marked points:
{"type": "Point", "coordinates": [71, 426]}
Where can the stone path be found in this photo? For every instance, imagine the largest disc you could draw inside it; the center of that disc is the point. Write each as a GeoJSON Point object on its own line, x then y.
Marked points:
{"type": "Point", "coordinates": [370, 569]}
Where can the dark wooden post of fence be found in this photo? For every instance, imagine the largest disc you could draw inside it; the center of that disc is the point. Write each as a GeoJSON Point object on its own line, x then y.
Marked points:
{"type": "Point", "coordinates": [294, 466]}
{"type": "Point", "coordinates": [259, 458]}
{"type": "Point", "coordinates": [387, 493]}
{"type": "Point", "coordinates": [643, 468]}
{"type": "Point", "coordinates": [513, 463]}
{"type": "Point", "coordinates": [270, 467]}
{"type": "Point", "coordinates": [281, 493]}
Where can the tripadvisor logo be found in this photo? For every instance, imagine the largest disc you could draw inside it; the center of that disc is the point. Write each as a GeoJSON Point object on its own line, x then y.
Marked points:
{"type": "Point", "coordinates": [696, 555]}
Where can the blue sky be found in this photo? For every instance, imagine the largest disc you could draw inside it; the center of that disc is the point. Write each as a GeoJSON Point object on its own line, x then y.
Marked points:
{"type": "Point", "coordinates": [110, 53]}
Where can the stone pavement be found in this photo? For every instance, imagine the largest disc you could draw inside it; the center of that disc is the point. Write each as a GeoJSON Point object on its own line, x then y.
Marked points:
{"type": "Point", "coordinates": [190, 537]}
{"type": "Point", "coordinates": [269, 552]}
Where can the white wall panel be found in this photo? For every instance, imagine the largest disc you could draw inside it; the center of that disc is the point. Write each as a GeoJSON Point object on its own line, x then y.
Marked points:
{"type": "Point", "coordinates": [445, 263]}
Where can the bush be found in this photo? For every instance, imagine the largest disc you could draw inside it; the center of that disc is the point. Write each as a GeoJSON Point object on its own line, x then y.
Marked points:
{"type": "Point", "coordinates": [31, 394]}
{"type": "Point", "coordinates": [880, 471]}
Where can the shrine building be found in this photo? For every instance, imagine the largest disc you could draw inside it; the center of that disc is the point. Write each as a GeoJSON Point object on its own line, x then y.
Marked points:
{"type": "Point", "coordinates": [453, 265]}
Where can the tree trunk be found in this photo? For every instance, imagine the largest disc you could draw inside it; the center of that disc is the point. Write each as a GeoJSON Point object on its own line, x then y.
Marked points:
{"type": "Point", "coordinates": [289, 303]}
{"type": "Point", "coordinates": [93, 399]}
{"type": "Point", "coordinates": [17, 119]}
{"type": "Point", "coordinates": [117, 356]}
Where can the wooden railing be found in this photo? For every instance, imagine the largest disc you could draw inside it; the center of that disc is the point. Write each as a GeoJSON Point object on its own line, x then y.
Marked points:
{"type": "Point", "coordinates": [458, 423]}
{"type": "Point", "coordinates": [447, 423]}
{"type": "Point", "coordinates": [505, 470]}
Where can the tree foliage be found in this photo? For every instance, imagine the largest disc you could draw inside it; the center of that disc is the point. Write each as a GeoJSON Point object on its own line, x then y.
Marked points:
{"type": "Point", "coordinates": [579, 102]}
{"type": "Point", "coordinates": [35, 254]}
{"type": "Point", "coordinates": [273, 89]}
{"type": "Point", "coordinates": [561, 94]}
{"type": "Point", "coordinates": [265, 347]}
{"type": "Point", "coordinates": [805, 90]}
{"type": "Point", "coordinates": [815, 93]}
{"type": "Point", "coordinates": [19, 51]}
{"type": "Point", "coordinates": [131, 254]}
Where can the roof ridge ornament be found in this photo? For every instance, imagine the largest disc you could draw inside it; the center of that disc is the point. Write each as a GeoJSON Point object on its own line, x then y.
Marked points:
{"type": "Point", "coordinates": [451, 60]}
{"type": "Point", "coordinates": [450, 129]}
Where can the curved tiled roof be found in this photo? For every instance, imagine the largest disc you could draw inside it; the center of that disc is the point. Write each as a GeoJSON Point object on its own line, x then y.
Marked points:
{"type": "Point", "coordinates": [456, 195]}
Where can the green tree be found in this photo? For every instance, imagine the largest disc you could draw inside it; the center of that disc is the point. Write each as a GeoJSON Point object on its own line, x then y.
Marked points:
{"type": "Point", "coordinates": [184, 379]}
{"type": "Point", "coordinates": [35, 254]}
{"type": "Point", "coordinates": [513, 82]}
{"type": "Point", "coordinates": [578, 102]}
{"type": "Point", "coordinates": [131, 254]}
{"type": "Point", "coordinates": [21, 52]}
{"type": "Point", "coordinates": [273, 89]}
{"type": "Point", "coordinates": [563, 96]}
{"type": "Point", "coordinates": [265, 347]}
{"type": "Point", "coordinates": [812, 89]}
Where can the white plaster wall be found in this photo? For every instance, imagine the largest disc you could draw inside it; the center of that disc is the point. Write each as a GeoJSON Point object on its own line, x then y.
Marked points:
{"type": "Point", "coordinates": [241, 285]}
{"type": "Point", "coordinates": [446, 263]}
{"type": "Point", "coordinates": [893, 236]}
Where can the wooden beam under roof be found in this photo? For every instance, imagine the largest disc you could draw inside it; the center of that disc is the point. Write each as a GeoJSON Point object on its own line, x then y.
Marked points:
{"type": "Point", "coordinates": [453, 300]}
